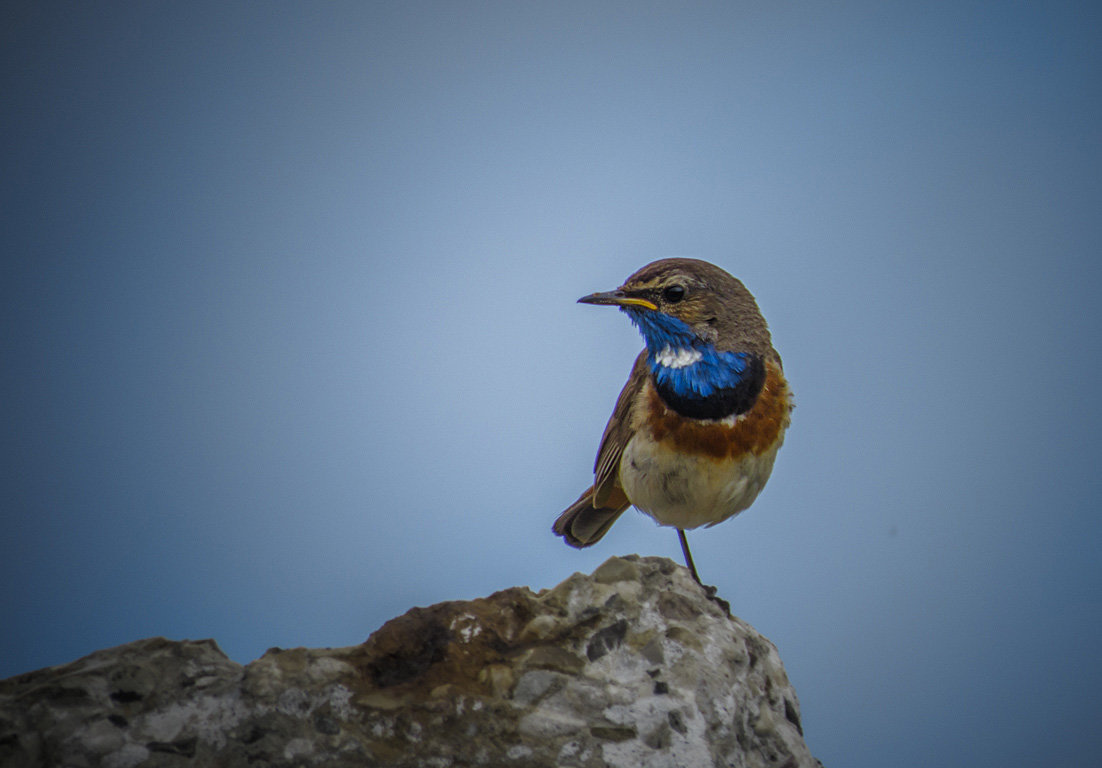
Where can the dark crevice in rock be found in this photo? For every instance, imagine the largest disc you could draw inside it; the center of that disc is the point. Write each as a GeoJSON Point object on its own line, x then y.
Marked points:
{"type": "Point", "coordinates": [606, 640]}
{"type": "Point", "coordinates": [126, 697]}
{"type": "Point", "coordinates": [183, 747]}
{"type": "Point", "coordinates": [792, 716]}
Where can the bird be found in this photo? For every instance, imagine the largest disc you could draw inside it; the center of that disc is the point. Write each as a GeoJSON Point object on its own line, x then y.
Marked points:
{"type": "Point", "coordinates": [696, 429]}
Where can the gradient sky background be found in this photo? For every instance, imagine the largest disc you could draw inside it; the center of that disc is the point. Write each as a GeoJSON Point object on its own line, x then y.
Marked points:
{"type": "Point", "coordinates": [289, 340]}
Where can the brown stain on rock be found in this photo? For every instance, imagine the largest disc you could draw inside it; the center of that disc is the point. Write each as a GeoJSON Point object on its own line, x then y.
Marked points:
{"type": "Point", "coordinates": [445, 644]}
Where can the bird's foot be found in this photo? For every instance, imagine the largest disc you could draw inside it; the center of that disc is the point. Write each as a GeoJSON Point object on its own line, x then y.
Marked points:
{"type": "Point", "coordinates": [715, 598]}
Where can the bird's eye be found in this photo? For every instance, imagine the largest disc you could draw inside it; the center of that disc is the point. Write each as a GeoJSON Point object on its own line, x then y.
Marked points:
{"type": "Point", "coordinates": [674, 293]}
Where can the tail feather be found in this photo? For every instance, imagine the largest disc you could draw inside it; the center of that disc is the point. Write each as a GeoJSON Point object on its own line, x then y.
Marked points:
{"type": "Point", "coordinates": [582, 524]}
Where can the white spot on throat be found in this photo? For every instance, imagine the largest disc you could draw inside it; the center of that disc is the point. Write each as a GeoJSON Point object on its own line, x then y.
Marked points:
{"type": "Point", "coordinates": [677, 358]}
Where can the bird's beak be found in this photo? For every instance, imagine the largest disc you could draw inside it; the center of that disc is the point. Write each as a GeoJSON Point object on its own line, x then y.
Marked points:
{"type": "Point", "coordinates": [617, 298]}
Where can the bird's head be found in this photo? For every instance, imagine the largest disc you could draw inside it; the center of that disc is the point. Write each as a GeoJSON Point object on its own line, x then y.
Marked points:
{"type": "Point", "coordinates": [679, 303]}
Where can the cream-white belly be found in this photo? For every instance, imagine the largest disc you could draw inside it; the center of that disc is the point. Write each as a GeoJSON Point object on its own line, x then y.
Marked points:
{"type": "Point", "coordinates": [688, 491]}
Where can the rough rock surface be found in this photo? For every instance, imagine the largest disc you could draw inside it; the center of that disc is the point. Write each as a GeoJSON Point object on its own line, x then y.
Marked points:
{"type": "Point", "coordinates": [629, 666]}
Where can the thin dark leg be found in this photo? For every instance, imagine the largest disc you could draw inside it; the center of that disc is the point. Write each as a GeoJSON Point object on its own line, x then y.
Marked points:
{"type": "Point", "coordinates": [709, 591]}
{"type": "Point", "coordinates": [688, 556]}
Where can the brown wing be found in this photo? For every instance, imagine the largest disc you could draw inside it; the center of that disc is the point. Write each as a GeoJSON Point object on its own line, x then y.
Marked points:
{"type": "Point", "coordinates": [618, 431]}
{"type": "Point", "coordinates": [588, 519]}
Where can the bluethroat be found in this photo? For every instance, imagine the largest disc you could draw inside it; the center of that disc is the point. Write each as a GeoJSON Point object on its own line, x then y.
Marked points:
{"type": "Point", "coordinates": [696, 429]}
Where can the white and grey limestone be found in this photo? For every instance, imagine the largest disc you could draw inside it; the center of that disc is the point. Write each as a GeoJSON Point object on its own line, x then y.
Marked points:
{"type": "Point", "coordinates": [632, 665]}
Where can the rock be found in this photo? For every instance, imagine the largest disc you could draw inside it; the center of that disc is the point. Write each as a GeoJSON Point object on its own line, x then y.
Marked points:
{"type": "Point", "coordinates": [631, 666]}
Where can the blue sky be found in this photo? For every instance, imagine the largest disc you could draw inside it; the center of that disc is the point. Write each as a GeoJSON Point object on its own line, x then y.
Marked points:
{"type": "Point", "coordinates": [288, 340]}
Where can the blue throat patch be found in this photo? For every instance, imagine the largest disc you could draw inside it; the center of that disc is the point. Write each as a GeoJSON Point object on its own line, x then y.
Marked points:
{"type": "Point", "coordinates": [691, 375]}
